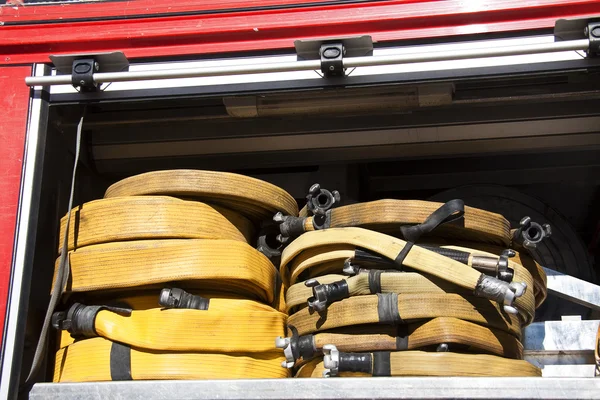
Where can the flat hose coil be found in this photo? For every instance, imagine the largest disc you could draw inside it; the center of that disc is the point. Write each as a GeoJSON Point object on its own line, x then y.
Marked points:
{"type": "Point", "coordinates": [402, 283]}
{"type": "Point", "coordinates": [152, 217]}
{"type": "Point", "coordinates": [224, 326]}
{"type": "Point", "coordinates": [387, 215]}
{"type": "Point", "coordinates": [393, 309]}
{"type": "Point", "coordinates": [256, 199]}
{"type": "Point", "coordinates": [417, 258]}
{"type": "Point", "coordinates": [173, 230]}
{"type": "Point", "coordinates": [327, 259]}
{"type": "Point", "coordinates": [446, 331]}
{"type": "Point", "coordinates": [99, 359]}
{"type": "Point", "coordinates": [419, 363]}
{"type": "Point", "coordinates": [228, 265]}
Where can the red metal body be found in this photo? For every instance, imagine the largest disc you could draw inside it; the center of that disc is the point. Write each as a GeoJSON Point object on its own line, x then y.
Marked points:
{"type": "Point", "coordinates": [191, 28]}
{"type": "Point", "coordinates": [148, 28]}
{"type": "Point", "coordinates": [14, 103]}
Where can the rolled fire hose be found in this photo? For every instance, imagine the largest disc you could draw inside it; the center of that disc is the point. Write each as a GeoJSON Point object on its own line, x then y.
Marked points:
{"type": "Point", "coordinates": [387, 215]}
{"type": "Point", "coordinates": [414, 363]}
{"type": "Point", "coordinates": [394, 309]}
{"type": "Point", "coordinates": [443, 333]}
{"type": "Point", "coordinates": [404, 253]}
{"type": "Point", "coordinates": [226, 265]}
{"type": "Point", "coordinates": [334, 288]}
{"type": "Point", "coordinates": [253, 198]}
{"type": "Point", "coordinates": [120, 244]}
{"type": "Point", "coordinates": [156, 217]}
{"type": "Point", "coordinates": [372, 282]}
{"type": "Point", "coordinates": [426, 308]}
{"type": "Point", "coordinates": [214, 325]}
{"type": "Point", "coordinates": [99, 359]}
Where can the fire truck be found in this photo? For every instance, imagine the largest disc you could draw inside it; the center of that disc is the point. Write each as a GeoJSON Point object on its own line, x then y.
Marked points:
{"type": "Point", "coordinates": [496, 102]}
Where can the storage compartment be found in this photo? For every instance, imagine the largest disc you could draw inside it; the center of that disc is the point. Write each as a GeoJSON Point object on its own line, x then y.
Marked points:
{"type": "Point", "coordinates": [535, 132]}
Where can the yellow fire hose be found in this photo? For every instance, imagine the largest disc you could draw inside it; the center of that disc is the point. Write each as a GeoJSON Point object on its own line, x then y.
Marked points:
{"type": "Point", "coordinates": [256, 199]}
{"type": "Point", "coordinates": [225, 326]}
{"type": "Point", "coordinates": [387, 215]}
{"type": "Point", "coordinates": [193, 230]}
{"type": "Point", "coordinates": [139, 238]}
{"type": "Point", "coordinates": [156, 217]}
{"type": "Point", "coordinates": [443, 331]}
{"type": "Point", "coordinates": [227, 265]}
{"type": "Point", "coordinates": [394, 308]}
{"type": "Point", "coordinates": [417, 363]}
{"type": "Point", "coordinates": [98, 359]}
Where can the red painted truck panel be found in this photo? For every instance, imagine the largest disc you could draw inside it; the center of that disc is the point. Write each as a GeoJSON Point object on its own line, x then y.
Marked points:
{"type": "Point", "coordinates": [14, 103]}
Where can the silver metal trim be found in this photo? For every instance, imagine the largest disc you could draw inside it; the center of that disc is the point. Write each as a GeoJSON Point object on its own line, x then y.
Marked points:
{"type": "Point", "coordinates": [325, 389]}
{"type": "Point", "coordinates": [573, 289]}
{"type": "Point", "coordinates": [381, 137]}
{"type": "Point", "coordinates": [307, 65]}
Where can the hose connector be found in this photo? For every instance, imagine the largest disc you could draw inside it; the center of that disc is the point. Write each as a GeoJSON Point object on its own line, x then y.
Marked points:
{"type": "Point", "coordinates": [497, 267]}
{"type": "Point", "coordinates": [530, 234]}
{"type": "Point", "coordinates": [502, 292]}
{"type": "Point", "coordinates": [179, 298]}
{"type": "Point", "coordinates": [331, 361]}
{"type": "Point", "coordinates": [285, 344]}
{"type": "Point", "coordinates": [296, 347]}
{"type": "Point", "coordinates": [319, 200]}
{"type": "Point", "coordinates": [325, 294]}
{"type": "Point", "coordinates": [289, 227]}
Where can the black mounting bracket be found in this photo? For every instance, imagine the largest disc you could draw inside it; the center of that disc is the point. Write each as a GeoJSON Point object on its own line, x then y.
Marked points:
{"type": "Point", "coordinates": [331, 52]}
{"type": "Point", "coordinates": [82, 67]}
{"type": "Point", "coordinates": [584, 28]}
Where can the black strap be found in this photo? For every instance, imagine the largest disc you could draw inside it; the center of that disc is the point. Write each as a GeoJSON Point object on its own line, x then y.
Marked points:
{"type": "Point", "coordinates": [381, 364]}
{"type": "Point", "coordinates": [375, 280]}
{"type": "Point", "coordinates": [63, 273]}
{"type": "Point", "coordinates": [120, 362]}
{"type": "Point", "coordinates": [387, 308]}
{"type": "Point", "coordinates": [356, 362]}
{"type": "Point", "coordinates": [449, 212]}
{"type": "Point", "coordinates": [402, 337]}
{"type": "Point", "coordinates": [403, 253]}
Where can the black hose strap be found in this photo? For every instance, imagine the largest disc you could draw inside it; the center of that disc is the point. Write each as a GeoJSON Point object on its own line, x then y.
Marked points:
{"type": "Point", "coordinates": [387, 308]}
{"type": "Point", "coordinates": [120, 362]}
{"type": "Point", "coordinates": [375, 280]}
{"type": "Point", "coordinates": [449, 212]}
{"type": "Point", "coordinates": [356, 362]}
{"type": "Point", "coordinates": [381, 364]}
{"type": "Point", "coordinates": [402, 337]}
{"type": "Point", "coordinates": [403, 253]}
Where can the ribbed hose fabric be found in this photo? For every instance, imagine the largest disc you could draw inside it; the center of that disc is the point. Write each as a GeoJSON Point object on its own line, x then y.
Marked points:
{"type": "Point", "coordinates": [183, 229]}
{"type": "Point", "coordinates": [420, 318]}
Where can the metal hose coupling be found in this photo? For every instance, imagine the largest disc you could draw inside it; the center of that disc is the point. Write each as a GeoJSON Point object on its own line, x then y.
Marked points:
{"type": "Point", "coordinates": [296, 347]}
{"type": "Point", "coordinates": [530, 234]}
{"type": "Point", "coordinates": [325, 294]}
{"type": "Point", "coordinates": [497, 267]}
{"type": "Point", "coordinates": [319, 200]}
{"type": "Point", "coordinates": [502, 292]}
{"type": "Point", "coordinates": [331, 361]}
{"type": "Point", "coordinates": [285, 344]}
{"type": "Point", "coordinates": [179, 298]}
{"type": "Point", "coordinates": [289, 227]}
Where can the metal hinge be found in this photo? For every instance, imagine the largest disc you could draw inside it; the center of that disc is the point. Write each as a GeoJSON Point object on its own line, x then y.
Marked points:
{"type": "Point", "coordinates": [82, 67]}
{"type": "Point", "coordinates": [584, 28]}
{"type": "Point", "coordinates": [331, 52]}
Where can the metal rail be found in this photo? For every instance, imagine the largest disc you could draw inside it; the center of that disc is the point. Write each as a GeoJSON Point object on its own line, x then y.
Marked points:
{"type": "Point", "coordinates": [351, 62]}
{"type": "Point", "coordinates": [327, 389]}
